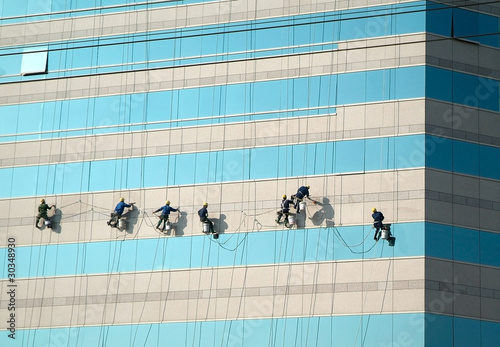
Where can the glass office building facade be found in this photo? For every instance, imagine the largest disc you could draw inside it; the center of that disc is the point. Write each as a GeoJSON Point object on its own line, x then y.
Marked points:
{"type": "Point", "coordinates": [393, 105]}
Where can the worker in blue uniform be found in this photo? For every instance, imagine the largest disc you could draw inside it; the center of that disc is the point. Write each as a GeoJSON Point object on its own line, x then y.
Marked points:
{"type": "Point", "coordinates": [378, 217]}
{"type": "Point", "coordinates": [165, 212]}
{"type": "Point", "coordinates": [203, 214]}
{"type": "Point", "coordinates": [285, 209]}
{"type": "Point", "coordinates": [302, 192]}
{"type": "Point", "coordinates": [117, 214]}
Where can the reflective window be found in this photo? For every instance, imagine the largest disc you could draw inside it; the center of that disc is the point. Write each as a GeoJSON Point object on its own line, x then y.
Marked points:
{"type": "Point", "coordinates": [466, 158]}
{"type": "Point", "coordinates": [349, 156]}
{"type": "Point", "coordinates": [34, 61]}
{"type": "Point", "coordinates": [467, 332]}
{"type": "Point", "coordinates": [438, 241]}
{"type": "Point", "coordinates": [466, 245]}
{"type": "Point", "coordinates": [439, 153]}
{"type": "Point", "coordinates": [287, 35]}
{"type": "Point", "coordinates": [489, 158]}
{"type": "Point", "coordinates": [440, 331]}
{"type": "Point", "coordinates": [439, 84]}
{"type": "Point", "coordinates": [490, 248]}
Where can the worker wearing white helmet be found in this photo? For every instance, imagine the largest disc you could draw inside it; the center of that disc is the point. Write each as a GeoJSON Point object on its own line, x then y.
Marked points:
{"type": "Point", "coordinates": [165, 212]}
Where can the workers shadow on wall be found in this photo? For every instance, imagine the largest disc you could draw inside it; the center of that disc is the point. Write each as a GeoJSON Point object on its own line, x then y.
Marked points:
{"type": "Point", "coordinates": [56, 221]}
{"type": "Point", "coordinates": [220, 225]}
{"type": "Point", "coordinates": [131, 218]}
{"type": "Point", "coordinates": [179, 223]}
{"type": "Point", "coordinates": [300, 219]}
{"type": "Point", "coordinates": [323, 213]}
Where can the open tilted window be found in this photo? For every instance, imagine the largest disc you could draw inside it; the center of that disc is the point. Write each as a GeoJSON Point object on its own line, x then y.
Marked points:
{"type": "Point", "coordinates": [34, 61]}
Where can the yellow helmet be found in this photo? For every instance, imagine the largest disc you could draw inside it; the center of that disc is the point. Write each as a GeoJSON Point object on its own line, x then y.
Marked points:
{"type": "Point", "coordinates": [42, 200]}
{"type": "Point", "coordinates": [374, 209]}
{"type": "Point", "coordinates": [205, 204]}
{"type": "Point", "coordinates": [167, 202]}
{"type": "Point", "coordinates": [308, 186]}
{"type": "Point", "coordinates": [284, 196]}
{"type": "Point", "coordinates": [122, 199]}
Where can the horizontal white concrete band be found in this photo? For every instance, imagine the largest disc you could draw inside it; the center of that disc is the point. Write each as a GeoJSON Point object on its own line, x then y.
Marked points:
{"type": "Point", "coordinates": [244, 206]}
{"type": "Point", "coordinates": [268, 291]}
{"type": "Point", "coordinates": [350, 122]}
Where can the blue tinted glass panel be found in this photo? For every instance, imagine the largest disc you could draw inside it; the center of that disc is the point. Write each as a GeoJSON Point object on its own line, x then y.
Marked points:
{"type": "Point", "coordinates": [377, 85]}
{"type": "Point", "coordinates": [296, 331]}
{"type": "Point", "coordinates": [349, 156]}
{"type": "Point", "coordinates": [158, 106]}
{"type": "Point", "coordinates": [401, 232]}
{"type": "Point", "coordinates": [7, 115]}
{"type": "Point", "coordinates": [410, 82]}
{"type": "Point", "coordinates": [184, 168]}
{"type": "Point", "coordinates": [466, 245]}
{"type": "Point", "coordinates": [155, 171]}
{"type": "Point", "coordinates": [466, 157]}
{"type": "Point", "coordinates": [465, 24]}
{"type": "Point", "coordinates": [82, 57]}
{"type": "Point", "coordinates": [438, 84]}
{"type": "Point", "coordinates": [490, 333]}
{"type": "Point", "coordinates": [438, 241]}
{"type": "Point", "coordinates": [237, 98]}
{"type": "Point", "coordinates": [266, 96]}
{"type": "Point", "coordinates": [438, 331]}
{"type": "Point", "coordinates": [464, 89]}
{"type": "Point", "coordinates": [379, 154]}
{"type": "Point", "coordinates": [10, 64]}
{"type": "Point", "coordinates": [134, 171]}
{"type": "Point", "coordinates": [438, 19]}
{"type": "Point", "coordinates": [102, 175]}
{"type": "Point", "coordinates": [488, 27]}
{"type": "Point", "coordinates": [20, 178]}
{"type": "Point", "coordinates": [279, 246]}
{"type": "Point", "coordinates": [490, 248]}
{"type": "Point", "coordinates": [6, 176]}
{"type": "Point", "coordinates": [410, 22]}
{"type": "Point", "coordinates": [489, 159]}
{"type": "Point", "coordinates": [235, 165]}
{"type": "Point", "coordinates": [467, 332]}
{"type": "Point", "coordinates": [351, 88]}
{"type": "Point", "coordinates": [202, 169]}
{"type": "Point", "coordinates": [269, 38]}
{"type": "Point", "coordinates": [410, 151]}
{"type": "Point", "coordinates": [263, 163]}
{"type": "Point", "coordinates": [45, 180]}
{"type": "Point", "coordinates": [230, 165]}
{"type": "Point", "coordinates": [439, 153]}
{"type": "Point", "coordinates": [487, 94]}
{"type": "Point", "coordinates": [30, 120]}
